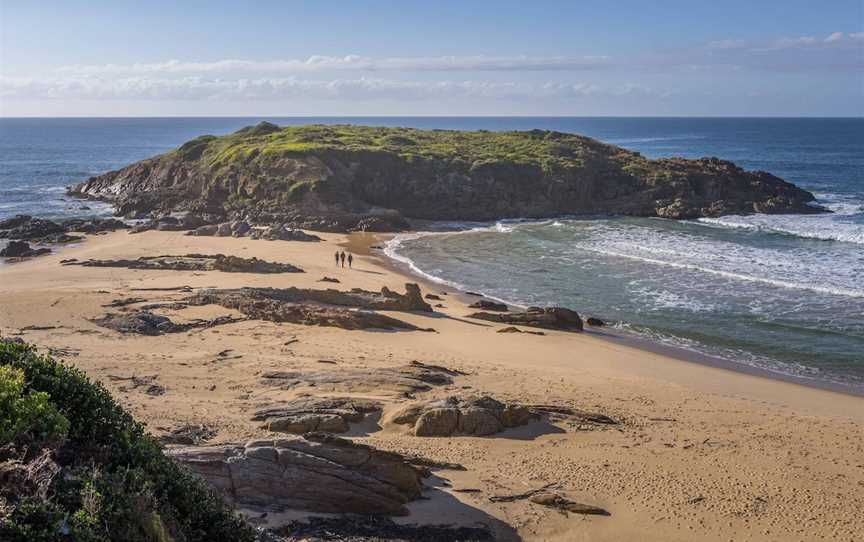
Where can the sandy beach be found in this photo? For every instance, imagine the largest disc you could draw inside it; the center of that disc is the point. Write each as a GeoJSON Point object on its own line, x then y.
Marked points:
{"type": "Point", "coordinates": [700, 453]}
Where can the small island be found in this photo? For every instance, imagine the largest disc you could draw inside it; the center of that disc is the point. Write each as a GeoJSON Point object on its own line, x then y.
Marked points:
{"type": "Point", "coordinates": [347, 178]}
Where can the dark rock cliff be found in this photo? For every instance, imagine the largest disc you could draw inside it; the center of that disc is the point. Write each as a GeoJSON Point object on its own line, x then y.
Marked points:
{"type": "Point", "coordinates": [342, 178]}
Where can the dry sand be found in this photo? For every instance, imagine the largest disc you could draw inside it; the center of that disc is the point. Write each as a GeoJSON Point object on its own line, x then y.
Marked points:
{"type": "Point", "coordinates": [702, 454]}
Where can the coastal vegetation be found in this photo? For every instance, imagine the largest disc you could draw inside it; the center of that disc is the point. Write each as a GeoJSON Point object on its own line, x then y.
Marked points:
{"type": "Point", "coordinates": [346, 177]}
{"type": "Point", "coordinates": [75, 466]}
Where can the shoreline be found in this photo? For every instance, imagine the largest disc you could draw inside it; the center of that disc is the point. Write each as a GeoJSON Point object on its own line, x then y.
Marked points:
{"type": "Point", "coordinates": [697, 449]}
{"type": "Point", "coordinates": [361, 243]}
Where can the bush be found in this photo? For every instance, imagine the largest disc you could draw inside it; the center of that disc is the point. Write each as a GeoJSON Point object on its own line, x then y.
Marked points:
{"type": "Point", "coordinates": [116, 483]}
{"type": "Point", "coordinates": [30, 416]}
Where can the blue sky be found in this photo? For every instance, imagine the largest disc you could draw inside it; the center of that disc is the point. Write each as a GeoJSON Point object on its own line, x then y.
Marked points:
{"type": "Point", "coordinates": [119, 58]}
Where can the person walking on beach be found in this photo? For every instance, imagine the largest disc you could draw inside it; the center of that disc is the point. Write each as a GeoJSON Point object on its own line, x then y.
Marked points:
{"type": "Point", "coordinates": [350, 259]}
{"type": "Point", "coordinates": [337, 258]}
{"type": "Point", "coordinates": [342, 256]}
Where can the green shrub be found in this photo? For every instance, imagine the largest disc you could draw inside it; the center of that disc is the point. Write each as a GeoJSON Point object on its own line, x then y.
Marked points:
{"type": "Point", "coordinates": [117, 484]}
{"type": "Point", "coordinates": [30, 415]}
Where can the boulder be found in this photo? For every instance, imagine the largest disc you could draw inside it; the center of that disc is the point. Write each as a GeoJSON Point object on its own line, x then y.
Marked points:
{"type": "Point", "coordinates": [557, 318]}
{"type": "Point", "coordinates": [475, 416]}
{"type": "Point", "coordinates": [27, 228]}
{"type": "Point", "coordinates": [488, 305]}
{"type": "Point", "coordinates": [22, 249]}
{"type": "Point", "coordinates": [308, 414]}
{"type": "Point", "coordinates": [317, 472]}
{"type": "Point", "coordinates": [205, 231]}
{"type": "Point", "coordinates": [596, 322]}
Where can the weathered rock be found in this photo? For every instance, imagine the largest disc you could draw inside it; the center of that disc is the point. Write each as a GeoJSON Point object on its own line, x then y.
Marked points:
{"type": "Point", "coordinates": [205, 231]}
{"type": "Point", "coordinates": [25, 227]}
{"type": "Point", "coordinates": [196, 262]}
{"type": "Point", "coordinates": [317, 472]}
{"type": "Point", "coordinates": [281, 233]}
{"type": "Point", "coordinates": [94, 225]}
{"type": "Point", "coordinates": [488, 305]}
{"type": "Point", "coordinates": [308, 414]}
{"type": "Point", "coordinates": [557, 318]}
{"type": "Point", "coordinates": [378, 529]}
{"type": "Point", "coordinates": [147, 323]}
{"type": "Point", "coordinates": [364, 178]}
{"type": "Point", "coordinates": [477, 416]}
{"type": "Point", "coordinates": [596, 322]}
{"type": "Point", "coordinates": [403, 380]}
{"type": "Point", "coordinates": [22, 249]}
{"type": "Point", "coordinates": [319, 307]}
{"type": "Point", "coordinates": [432, 297]}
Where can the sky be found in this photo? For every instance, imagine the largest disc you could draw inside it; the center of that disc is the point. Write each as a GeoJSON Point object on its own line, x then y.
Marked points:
{"type": "Point", "coordinates": [294, 58]}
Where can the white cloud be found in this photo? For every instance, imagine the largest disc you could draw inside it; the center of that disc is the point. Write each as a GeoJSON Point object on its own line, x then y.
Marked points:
{"type": "Point", "coordinates": [363, 88]}
{"type": "Point", "coordinates": [342, 63]}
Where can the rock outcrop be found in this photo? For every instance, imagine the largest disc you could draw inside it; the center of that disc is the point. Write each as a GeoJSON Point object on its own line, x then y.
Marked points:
{"type": "Point", "coordinates": [309, 414]}
{"type": "Point", "coordinates": [488, 305]}
{"type": "Point", "coordinates": [401, 381]}
{"type": "Point", "coordinates": [547, 318]}
{"type": "Point", "coordinates": [25, 227]}
{"type": "Point", "coordinates": [22, 249]}
{"type": "Point", "coordinates": [476, 416]}
{"type": "Point", "coordinates": [319, 307]}
{"type": "Point", "coordinates": [146, 323]}
{"type": "Point", "coordinates": [195, 262]}
{"type": "Point", "coordinates": [346, 178]}
{"type": "Point", "coordinates": [317, 472]}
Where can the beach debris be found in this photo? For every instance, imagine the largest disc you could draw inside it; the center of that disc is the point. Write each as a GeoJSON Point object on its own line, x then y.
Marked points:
{"type": "Point", "coordinates": [162, 289]}
{"type": "Point", "coordinates": [22, 249]}
{"type": "Point", "coordinates": [123, 302]}
{"type": "Point", "coordinates": [147, 323]}
{"type": "Point", "coordinates": [512, 329]}
{"type": "Point", "coordinates": [316, 472]}
{"type": "Point", "coordinates": [522, 496]}
{"type": "Point", "coordinates": [563, 504]}
{"type": "Point", "coordinates": [329, 279]}
{"type": "Point", "coordinates": [402, 380]}
{"type": "Point", "coordinates": [147, 382]}
{"type": "Point", "coordinates": [582, 416]}
{"type": "Point", "coordinates": [476, 416]}
{"type": "Point", "coordinates": [557, 318]}
{"type": "Point", "coordinates": [196, 262]}
{"type": "Point", "coordinates": [378, 529]}
{"type": "Point", "coordinates": [488, 305]}
{"type": "Point", "coordinates": [308, 413]}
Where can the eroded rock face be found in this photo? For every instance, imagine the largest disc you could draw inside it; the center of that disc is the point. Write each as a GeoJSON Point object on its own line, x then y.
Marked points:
{"type": "Point", "coordinates": [476, 416]}
{"type": "Point", "coordinates": [309, 414]}
{"type": "Point", "coordinates": [22, 249]}
{"type": "Point", "coordinates": [547, 318]}
{"type": "Point", "coordinates": [196, 262]}
{"type": "Point", "coordinates": [317, 472]}
{"type": "Point", "coordinates": [404, 380]}
{"type": "Point", "coordinates": [146, 323]}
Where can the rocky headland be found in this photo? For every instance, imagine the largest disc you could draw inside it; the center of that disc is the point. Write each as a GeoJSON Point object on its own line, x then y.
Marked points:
{"type": "Point", "coordinates": [348, 178]}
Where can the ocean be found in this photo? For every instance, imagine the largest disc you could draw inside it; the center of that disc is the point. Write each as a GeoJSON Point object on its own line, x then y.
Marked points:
{"type": "Point", "coordinates": [783, 294]}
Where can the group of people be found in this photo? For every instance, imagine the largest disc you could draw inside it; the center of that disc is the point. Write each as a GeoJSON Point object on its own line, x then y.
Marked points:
{"type": "Point", "coordinates": [340, 257]}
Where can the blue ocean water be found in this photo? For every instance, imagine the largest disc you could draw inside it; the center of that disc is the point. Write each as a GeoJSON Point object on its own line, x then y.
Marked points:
{"type": "Point", "coordinates": [783, 293]}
